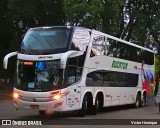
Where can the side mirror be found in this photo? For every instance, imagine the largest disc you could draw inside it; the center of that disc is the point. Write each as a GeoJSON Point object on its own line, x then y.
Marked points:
{"type": "Point", "coordinates": [67, 55]}
{"type": "Point", "coordinates": [5, 60]}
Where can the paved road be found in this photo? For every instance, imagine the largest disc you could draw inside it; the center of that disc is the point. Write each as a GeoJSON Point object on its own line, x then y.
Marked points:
{"type": "Point", "coordinates": [8, 111]}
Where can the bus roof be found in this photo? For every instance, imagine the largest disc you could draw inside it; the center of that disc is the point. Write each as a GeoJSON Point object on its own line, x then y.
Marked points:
{"type": "Point", "coordinates": [47, 27]}
{"type": "Point", "coordinates": [101, 33]}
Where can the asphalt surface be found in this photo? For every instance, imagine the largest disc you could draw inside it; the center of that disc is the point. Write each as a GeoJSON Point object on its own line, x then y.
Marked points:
{"type": "Point", "coordinates": [149, 111]}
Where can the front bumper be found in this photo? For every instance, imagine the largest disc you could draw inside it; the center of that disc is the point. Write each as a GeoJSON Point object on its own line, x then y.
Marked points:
{"type": "Point", "coordinates": [58, 105]}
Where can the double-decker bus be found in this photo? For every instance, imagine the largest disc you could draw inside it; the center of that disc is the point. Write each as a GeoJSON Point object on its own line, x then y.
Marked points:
{"type": "Point", "coordinates": [66, 68]}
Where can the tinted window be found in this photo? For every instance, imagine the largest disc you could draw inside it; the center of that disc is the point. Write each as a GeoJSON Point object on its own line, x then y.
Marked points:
{"type": "Point", "coordinates": [39, 76]}
{"type": "Point", "coordinates": [111, 79]}
{"type": "Point", "coordinates": [45, 40]}
{"type": "Point", "coordinates": [80, 39]}
{"type": "Point", "coordinates": [74, 69]}
{"type": "Point", "coordinates": [94, 79]}
{"type": "Point", "coordinates": [102, 45]}
{"type": "Point", "coordinates": [98, 46]}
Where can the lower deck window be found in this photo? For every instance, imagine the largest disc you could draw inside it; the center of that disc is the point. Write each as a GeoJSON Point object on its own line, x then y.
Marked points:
{"type": "Point", "coordinates": [111, 79]}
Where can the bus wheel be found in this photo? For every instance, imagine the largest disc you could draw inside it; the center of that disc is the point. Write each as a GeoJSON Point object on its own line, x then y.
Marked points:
{"type": "Point", "coordinates": [46, 113]}
{"type": "Point", "coordinates": [82, 111]}
{"type": "Point", "coordinates": [42, 112]}
{"type": "Point", "coordinates": [96, 106]}
{"type": "Point", "coordinates": [138, 101]}
{"type": "Point", "coordinates": [159, 107]}
{"type": "Point", "coordinates": [143, 101]}
{"type": "Point", "coordinates": [155, 103]}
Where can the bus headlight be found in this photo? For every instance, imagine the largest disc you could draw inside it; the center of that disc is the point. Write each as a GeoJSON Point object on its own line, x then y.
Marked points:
{"type": "Point", "coordinates": [57, 97]}
{"type": "Point", "coordinates": [16, 95]}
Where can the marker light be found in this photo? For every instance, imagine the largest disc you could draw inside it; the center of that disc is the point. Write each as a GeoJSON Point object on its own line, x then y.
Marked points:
{"type": "Point", "coordinates": [28, 63]}
{"type": "Point", "coordinates": [46, 27]}
{"type": "Point", "coordinates": [15, 95]}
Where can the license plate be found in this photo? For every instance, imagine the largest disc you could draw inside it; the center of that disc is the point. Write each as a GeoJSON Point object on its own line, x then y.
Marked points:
{"type": "Point", "coordinates": [34, 106]}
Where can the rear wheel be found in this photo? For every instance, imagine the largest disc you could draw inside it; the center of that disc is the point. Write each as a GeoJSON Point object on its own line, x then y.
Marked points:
{"type": "Point", "coordinates": [155, 103]}
{"type": "Point", "coordinates": [138, 101]}
{"type": "Point", "coordinates": [95, 107]}
{"type": "Point", "coordinates": [159, 107]}
{"type": "Point", "coordinates": [143, 101]}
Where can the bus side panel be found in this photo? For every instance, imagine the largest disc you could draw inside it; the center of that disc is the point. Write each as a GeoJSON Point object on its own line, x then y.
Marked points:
{"type": "Point", "coordinates": [73, 98]}
{"type": "Point", "coordinates": [112, 96]}
{"type": "Point", "coordinates": [127, 95]}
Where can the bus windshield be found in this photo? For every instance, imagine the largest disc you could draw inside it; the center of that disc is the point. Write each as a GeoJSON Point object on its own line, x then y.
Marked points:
{"type": "Point", "coordinates": [46, 41]}
{"type": "Point", "coordinates": [39, 76]}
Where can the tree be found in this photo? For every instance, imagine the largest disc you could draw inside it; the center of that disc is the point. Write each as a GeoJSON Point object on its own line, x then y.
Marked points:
{"type": "Point", "coordinates": [85, 13]}
{"type": "Point", "coordinates": [5, 31]}
{"type": "Point", "coordinates": [17, 16]}
{"type": "Point", "coordinates": [132, 20]}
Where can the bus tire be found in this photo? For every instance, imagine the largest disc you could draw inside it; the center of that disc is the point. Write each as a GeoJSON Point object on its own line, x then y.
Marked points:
{"type": "Point", "coordinates": [95, 107]}
{"type": "Point", "coordinates": [42, 112]}
{"type": "Point", "coordinates": [155, 103]}
{"type": "Point", "coordinates": [143, 101]}
{"type": "Point", "coordinates": [159, 107]}
{"type": "Point", "coordinates": [138, 101]}
{"type": "Point", "coordinates": [82, 111]}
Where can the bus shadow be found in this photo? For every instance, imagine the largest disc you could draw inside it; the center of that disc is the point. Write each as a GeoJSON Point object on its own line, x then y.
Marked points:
{"type": "Point", "coordinates": [56, 115]}
{"type": "Point", "coordinates": [72, 114]}
{"type": "Point", "coordinates": [117, 108]}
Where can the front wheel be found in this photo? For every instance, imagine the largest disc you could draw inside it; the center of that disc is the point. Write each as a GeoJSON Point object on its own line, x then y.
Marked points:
{"type": "Point", "coordinates": [46, 113]}
{"type": "Point", "coordinates": [82, 111]}
{"type": "Point", "coordinates": [42, 112]}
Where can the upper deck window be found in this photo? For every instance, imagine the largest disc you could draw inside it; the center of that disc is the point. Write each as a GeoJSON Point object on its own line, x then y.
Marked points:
{"type": "Point", "coordinates": [80, 39]}
{"type": "Point", "coordinates": [102, 45]}
{"type": "Point", "coordinates": [45, 41]}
